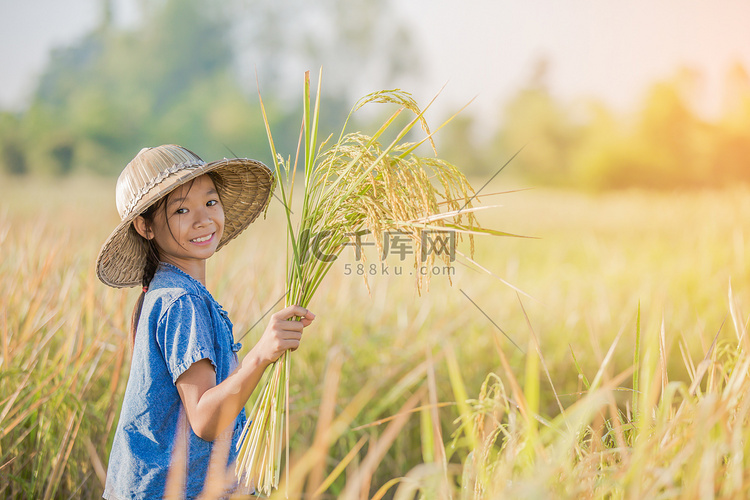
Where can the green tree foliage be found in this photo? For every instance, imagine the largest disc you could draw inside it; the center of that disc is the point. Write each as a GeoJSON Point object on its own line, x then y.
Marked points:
{"type": "Point", "coordinates": [358, 44]}
{"type": "Point", "coordinates": [537, 122]}
{"type": "Point", "coordinates": [355, 41]}
{"type": "Point", "coordinates": [458, 144]}
{"type": "Point", "coordinates": [187, 73]}
{"type": "Point", "coordinates": [665, 144]}
{"type": "Point", "coordinates": [12, 148]}
{"type": "Point", "coordinates": [174, 78]}
{"type": "Point", "coordinates": [169, 80]}
{"type": "Point", "coordinates": [730, 159]}
{"type": "Point", "coordinates": [671, 139]}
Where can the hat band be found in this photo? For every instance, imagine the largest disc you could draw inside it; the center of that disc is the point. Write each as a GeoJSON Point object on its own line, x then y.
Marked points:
{"type": "Point", "coordinates": [157, 180]}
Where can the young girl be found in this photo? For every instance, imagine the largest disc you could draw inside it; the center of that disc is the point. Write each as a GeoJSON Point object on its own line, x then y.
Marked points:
{"type": "Point", "coordinates": [176, 211]}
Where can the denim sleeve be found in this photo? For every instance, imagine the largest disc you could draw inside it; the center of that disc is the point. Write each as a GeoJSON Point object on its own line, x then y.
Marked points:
{"type": "Point", "coordinates": [185, 334]}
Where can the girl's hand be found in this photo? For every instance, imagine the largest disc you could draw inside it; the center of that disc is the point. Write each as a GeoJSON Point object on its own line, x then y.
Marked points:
{"type": "Point", "coordinates": [282, 334]}
{"type": "Point", "coordinates": [211, 408]}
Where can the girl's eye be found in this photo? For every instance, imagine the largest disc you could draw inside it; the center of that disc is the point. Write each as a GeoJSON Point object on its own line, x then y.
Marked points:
{"type": "Point", "coordinates": [181, 211]}
{"type": "Point", "coordinates": [211, 203]}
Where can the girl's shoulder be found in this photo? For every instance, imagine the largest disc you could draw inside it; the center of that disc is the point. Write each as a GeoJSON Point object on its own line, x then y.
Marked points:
{"type": "Point", "coordinates": [171, 280]}
{"type": "Point", "coordinates": [171, 285]}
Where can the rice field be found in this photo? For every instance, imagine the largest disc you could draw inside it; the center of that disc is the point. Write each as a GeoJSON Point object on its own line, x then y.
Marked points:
{"type": "Point", "coordinates": [616, 368]}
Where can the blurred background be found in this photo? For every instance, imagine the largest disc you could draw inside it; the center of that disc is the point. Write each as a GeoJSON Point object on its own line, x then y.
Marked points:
{"type": "Point", "coordinates": [633, 125]}
{"type": "Point", "coordinates": [600, 96]}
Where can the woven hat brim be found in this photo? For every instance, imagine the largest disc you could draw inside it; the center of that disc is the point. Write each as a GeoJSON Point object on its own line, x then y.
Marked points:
{"type": "Point", "coordinates": [244, 186]}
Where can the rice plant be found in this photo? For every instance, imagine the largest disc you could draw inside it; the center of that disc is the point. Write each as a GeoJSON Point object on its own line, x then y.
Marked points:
{"type": "Point", "coordinates": [352, 187]}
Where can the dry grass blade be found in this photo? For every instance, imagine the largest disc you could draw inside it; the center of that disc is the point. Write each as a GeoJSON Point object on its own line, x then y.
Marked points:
{"type": "Point", "coordinates": [175, 485]}
{"type": "Point", "coordinates": [68, 441]}
{"type": "Point", "coordinates": [359, 485]}
{"type": "Point", "coordinates": [704, 365]}
{"type": "Point", "coordinates": [663, 358]}
{"type": "Point", "coordinates": [541, 356]}
{"type": "Point", "coordinates": [607, 359]}
{"type": "Point", "coordinates": [516, 289]}
{"type": "Point", "coordinates": [336, 472]}
{"type": "Point", "coordinates": [739, 325]}
{"type": "Point", "coordinates": [325, 418]}
{"type": "Point", "coordinates": [437, 438]}
{"type": "Point", "coordinates": [387, 486]}
{"type": "Point", "coordinates": [218, 477]}
{"type": "Point", "coordinates": [96, 462]}
{"type": "Point", "coordinates": [382, 421]}
{"type": "Point", "coordinates": [341, 424]}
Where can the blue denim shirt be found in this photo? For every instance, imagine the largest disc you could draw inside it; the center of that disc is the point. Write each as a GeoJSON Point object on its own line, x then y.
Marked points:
{"type": "Point", "coordinates": [180, 324]}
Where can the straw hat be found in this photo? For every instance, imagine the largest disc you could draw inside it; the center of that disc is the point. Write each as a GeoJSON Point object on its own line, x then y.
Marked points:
{"type": "Point", "coordinates": [244, 186]}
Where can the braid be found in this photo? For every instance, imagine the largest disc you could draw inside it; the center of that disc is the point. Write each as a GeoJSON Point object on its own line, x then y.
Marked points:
{"type": "Point", "coordinates": [149, 269]}
{"type": "Point", "coordinates": [152, 262]}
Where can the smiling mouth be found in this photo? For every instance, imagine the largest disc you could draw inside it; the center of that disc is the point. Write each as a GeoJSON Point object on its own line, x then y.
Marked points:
{"type": "Point", "coordinates": [202, 239]}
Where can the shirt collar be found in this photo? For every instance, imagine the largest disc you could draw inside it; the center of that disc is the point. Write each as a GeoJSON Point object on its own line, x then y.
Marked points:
{"type": "Point", "coordinates": [171, 267]}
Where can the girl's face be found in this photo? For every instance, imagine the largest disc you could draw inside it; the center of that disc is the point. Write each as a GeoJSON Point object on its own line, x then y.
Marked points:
{"type": "Point", "coordinates": [188, 226]}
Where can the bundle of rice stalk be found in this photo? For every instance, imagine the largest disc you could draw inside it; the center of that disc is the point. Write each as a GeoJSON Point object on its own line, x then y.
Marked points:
{"type": "Point", "coordinates": [352, 187]}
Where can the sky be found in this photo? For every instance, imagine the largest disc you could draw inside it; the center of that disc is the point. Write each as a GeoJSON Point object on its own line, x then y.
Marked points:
{"type": "Point", "coordinates": [608, 50]}
{"type": "Point", "coordinates": [611, 50]}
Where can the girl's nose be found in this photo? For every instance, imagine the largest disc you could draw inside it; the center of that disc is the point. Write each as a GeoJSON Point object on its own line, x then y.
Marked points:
{"type": "Point", "coordinates": [202, 218]}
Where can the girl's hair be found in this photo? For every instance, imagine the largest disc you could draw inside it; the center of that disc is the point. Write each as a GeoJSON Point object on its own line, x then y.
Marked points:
{"type": "Point", "coordinates": [152, 262]}
{"type": "Point", "coordinates": [152, 256]}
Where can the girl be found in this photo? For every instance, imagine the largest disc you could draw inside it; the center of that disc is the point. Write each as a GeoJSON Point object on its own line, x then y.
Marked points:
{"type": "Point", "coordinates": [176, 211]}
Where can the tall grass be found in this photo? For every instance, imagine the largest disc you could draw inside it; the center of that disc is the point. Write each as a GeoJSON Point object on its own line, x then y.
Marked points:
{"type": "Point", "coordinates": [387, 393]}
{"type": "Point", "coordinates": [60, 368]}
{"type": "Point", "coordinates": [675, 438]}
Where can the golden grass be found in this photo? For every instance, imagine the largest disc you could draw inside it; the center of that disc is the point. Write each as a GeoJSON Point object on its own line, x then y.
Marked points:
{"type": "Point", "coordinates": [60, 370]}
{"type": "Point", "coordinates": [384, 370]}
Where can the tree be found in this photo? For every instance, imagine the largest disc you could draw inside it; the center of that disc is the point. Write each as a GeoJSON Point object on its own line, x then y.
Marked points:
{"type": "Point", "coordinates": [174, 78]}
{"type": "Point", "coordinates": [357, 42]}
{"type": "Point", "coordinates": [673, 139]}
{"type": "Point", "coordinates": [12, 151]}
{"type": "Point", "coordinates": [535, 121]}
{"type": "Point", "coordinates": [731, 155]}
{"type": "Point", "coordinates": [169, 80]}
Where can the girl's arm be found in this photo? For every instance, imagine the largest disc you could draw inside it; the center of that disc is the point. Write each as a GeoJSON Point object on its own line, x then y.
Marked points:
{"type": "Point", "coordinates": [212, 408]}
